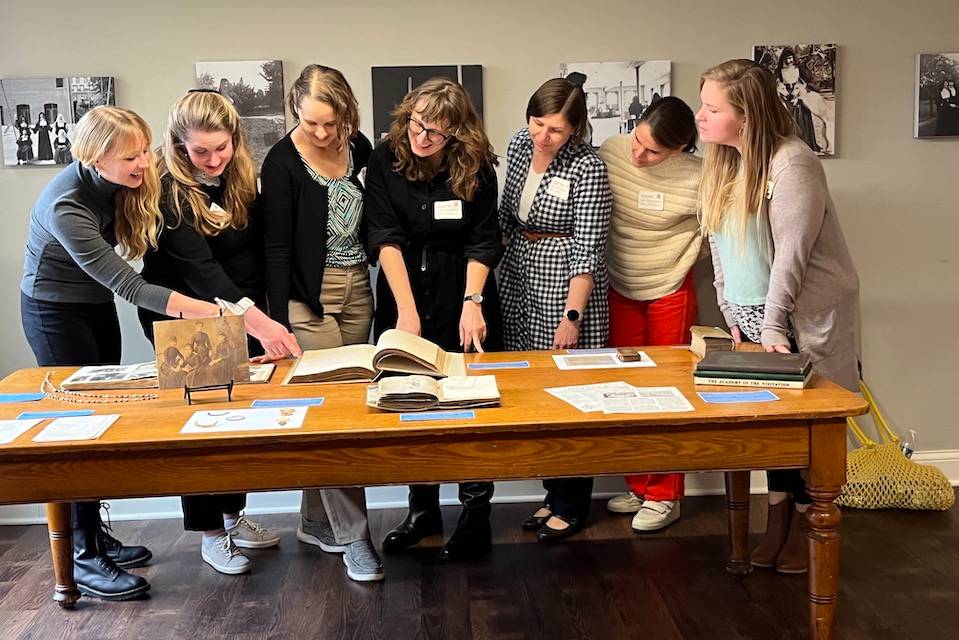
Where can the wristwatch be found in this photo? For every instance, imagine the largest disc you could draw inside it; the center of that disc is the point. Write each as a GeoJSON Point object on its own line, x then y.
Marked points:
{"type": "Point", "coordinates": [573, 315]}
{"type": "Point", "coordinates": [474, 297]}
{"type": "Point", "coordinates": [237, 308]}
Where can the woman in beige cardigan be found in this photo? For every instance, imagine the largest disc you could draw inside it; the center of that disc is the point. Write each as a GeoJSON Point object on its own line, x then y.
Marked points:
{"type": "Point", "coordinates": [784, 277]}
{"type": "Point", "coordinates": [654, 240]}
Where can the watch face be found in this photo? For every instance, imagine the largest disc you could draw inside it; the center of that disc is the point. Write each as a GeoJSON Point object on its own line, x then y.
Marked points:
{"type": "Point", "coordinates": [476, 297]}
{"type": "Point", "coordinates": [572, 315]}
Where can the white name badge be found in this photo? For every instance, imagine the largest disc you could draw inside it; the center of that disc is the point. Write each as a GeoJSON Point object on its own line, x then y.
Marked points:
{"type": "Point", "coordinates": [448, 210]}
{"type": "Point", "coordinates": [770, 185]}
{"type": "Point", "coordinates": [652, 200]}
{"type": "Point", "coordinates": [559, 188]}
{"type": "Point", "coordinates": [215, 208]}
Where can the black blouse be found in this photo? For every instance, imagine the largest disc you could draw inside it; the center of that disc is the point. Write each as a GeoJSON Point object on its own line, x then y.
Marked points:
{"type": "Point", "coordinates": [437, 244]}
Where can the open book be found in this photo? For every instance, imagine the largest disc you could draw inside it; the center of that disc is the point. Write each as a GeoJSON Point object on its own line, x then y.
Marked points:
{"type": "Point", "coordinates": [138, 376]}
{"type": "Point", "coordinates": [419, 393]}
{"type": "Point", "coordinates": [394, 351]}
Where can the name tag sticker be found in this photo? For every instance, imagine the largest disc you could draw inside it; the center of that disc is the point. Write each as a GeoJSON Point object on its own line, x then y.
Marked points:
{"type": "Point", "coordinates": [652, 200]}
{"type": "Point", "coordinates": [770, 185]}
{"type": "Point", "coordinates": [559, 188]}
{"type": "Point", "coordinates": [215, 208]}
{"type": "Point", "coordinates": [448, 210]}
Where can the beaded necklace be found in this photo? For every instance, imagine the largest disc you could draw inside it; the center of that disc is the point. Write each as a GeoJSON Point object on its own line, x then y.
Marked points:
{"type": "Point", "coordinates": [84, 397]}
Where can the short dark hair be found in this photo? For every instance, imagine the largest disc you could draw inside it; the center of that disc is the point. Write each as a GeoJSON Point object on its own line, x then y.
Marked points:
{"type": "Point", "coordinates": [561, 96]}
{"type": "Point", "coordinates": [671, 123]}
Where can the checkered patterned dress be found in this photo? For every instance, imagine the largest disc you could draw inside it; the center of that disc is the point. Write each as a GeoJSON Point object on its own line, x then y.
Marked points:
{"type": "Point", "coordinates": [535, 276]}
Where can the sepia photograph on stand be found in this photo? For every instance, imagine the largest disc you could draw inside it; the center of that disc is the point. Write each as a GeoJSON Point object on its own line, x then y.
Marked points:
{"type": "Point", "coordinates": [201, 353]}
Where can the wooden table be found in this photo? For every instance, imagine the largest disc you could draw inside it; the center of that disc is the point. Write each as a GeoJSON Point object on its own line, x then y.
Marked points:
{"type": "Point", "coordinates": [532, 435]}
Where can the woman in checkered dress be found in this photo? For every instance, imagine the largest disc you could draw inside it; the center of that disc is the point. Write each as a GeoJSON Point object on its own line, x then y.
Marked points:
{"type": "Point", "coordinates": [555, 215]}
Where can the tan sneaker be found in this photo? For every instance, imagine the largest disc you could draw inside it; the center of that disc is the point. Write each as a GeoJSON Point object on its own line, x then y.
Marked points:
{"type": "Point", "coordinates": [653, 515]}
{"type": "Point", "coordinates": [627, 502]}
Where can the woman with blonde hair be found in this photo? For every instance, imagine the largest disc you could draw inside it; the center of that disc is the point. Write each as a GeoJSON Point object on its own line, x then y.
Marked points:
{"type": "Point", "coordinates": [211, 247]}
{"type": "Point", "coordinates": [107, 197]}
{"type": "Point", "coordinates": [317, 278]}
{"type": "Point", "coordinates": [431, 209]}
{"type": "Point", "coordinates": [784, 277]}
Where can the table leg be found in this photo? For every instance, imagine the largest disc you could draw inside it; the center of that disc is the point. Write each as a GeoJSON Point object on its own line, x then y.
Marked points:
{"type": "Point", "coordinates": [827, 474]}
{"type": "Point", "coordinates": [60, 525]}
{"type": "Point", "coordinates": [737, 504]}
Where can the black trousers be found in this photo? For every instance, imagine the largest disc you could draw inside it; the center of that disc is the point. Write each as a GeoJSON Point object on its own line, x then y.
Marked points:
{"type": "Point", "coordinates": [205, 513]}
{"type": "Point", "coordinates": [788, 481]}
{"type": "Point", "coordinates": [569, 497]}
{"type": "Point", "coordinates": [72, 334]}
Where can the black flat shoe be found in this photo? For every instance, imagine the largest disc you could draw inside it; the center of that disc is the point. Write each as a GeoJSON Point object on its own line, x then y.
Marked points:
{"type": "Point", "coordinates": [533, 523]}
{"type": "Point", "coordinates": [455, 551]}
{"type": "Point", "coordinates": [412, 530]}
{"type": "Point", "coordinates": [548, 534]}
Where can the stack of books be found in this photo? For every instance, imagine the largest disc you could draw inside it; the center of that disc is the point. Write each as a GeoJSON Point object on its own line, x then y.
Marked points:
{"type": "Point", "coordinates": [754, 369]}
{"type": "Point", "coordinates": [708, 339]}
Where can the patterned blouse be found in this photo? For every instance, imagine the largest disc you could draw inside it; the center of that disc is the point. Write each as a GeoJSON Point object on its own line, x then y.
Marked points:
{"type": "Point", "coordinates": [573, 200]}
{"type": "Point", "coordinates": [343, 246]}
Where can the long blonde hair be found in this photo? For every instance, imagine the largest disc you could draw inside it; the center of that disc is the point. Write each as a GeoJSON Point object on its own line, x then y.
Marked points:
{"type": "Point", "coordinates": [329, 86]}
{"type": "Point", "coordinates": [467, 151]}
{"type": "Point", "coordinates": [207, 111]}
{"type": "Point", "coordinates": [105, 131]}
{"type": "Point", "coordinates": [737, 182]}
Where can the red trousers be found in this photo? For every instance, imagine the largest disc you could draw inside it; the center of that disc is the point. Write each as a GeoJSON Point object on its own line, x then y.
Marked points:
{"type": "Point", "coordinates": [637, 323]}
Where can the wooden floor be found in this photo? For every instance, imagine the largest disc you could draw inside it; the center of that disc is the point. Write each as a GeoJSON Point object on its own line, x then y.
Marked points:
{"type": "Point", "coordinates": [900, 579]}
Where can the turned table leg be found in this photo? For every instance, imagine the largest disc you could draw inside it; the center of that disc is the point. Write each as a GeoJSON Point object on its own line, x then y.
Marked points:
{"type": "Point", "coordinates": [60, 525]}
{"type": "Point", "coordinates": [737, 504]}
{"type": "Point", "coordinates": [826, 477]}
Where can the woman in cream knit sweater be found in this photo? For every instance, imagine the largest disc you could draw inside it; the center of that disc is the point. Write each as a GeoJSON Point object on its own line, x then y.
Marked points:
{"type": "Point", "coordinates": [654, 240]}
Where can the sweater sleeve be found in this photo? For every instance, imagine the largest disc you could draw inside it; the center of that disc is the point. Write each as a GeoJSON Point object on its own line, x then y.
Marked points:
{"type": "Point", "coordinates": [76, 228]}
{"type": "Point", "coordinates": [278, 218]}
{"type": "Point", "coordinates": [796, 213]}
{"type": "Point", "coordinates": [719, 282]}
{"type": "Point", "coordinates": [592, 206]}
{"type": "Point", "coordinates": [506, 215]}
{"type": "Point", "coordinates": [483, 237]}
{"type": "Point", "coordinates": [383, 223]}
{"type": "Point", "coordinates": [194, 261]}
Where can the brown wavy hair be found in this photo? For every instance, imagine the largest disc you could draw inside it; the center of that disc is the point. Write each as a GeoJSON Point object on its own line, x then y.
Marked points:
{"type": "Point", "coordinates": [108, 130]}
{"type": "Point", "coordinates": [467, 151]}
{"type": "Point", "coordinates": [207, 111]}
{"type": "Point", "coordinates": [329, 86]}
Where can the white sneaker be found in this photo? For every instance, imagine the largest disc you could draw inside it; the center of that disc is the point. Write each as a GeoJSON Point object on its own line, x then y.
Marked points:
{"type": "Point", "coordinates": [248, 534]}
{"type": "Point", "coordinates": [222, 555]}
{"type": "Point", "coordinates": [653, 515]}
{"type": "Point", "coordinates": [627, 502]}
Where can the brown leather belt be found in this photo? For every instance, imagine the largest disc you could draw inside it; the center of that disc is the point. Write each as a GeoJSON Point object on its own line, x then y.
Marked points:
{"type": "Point", "coordinates": [536, 236]}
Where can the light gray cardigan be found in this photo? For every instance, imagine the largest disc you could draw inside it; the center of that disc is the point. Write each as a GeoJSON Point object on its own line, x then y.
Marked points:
{"type": "Point", "coordinates": [813, 283]}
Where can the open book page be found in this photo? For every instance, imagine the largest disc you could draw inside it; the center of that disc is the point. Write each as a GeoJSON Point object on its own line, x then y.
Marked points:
{"type": "Point", "coordinates": [351, 362]}
{"type": "Point", "coordinates": [406, 353]}
{"type": "Point", "coordinates": [404, 385]}
{"type": "Point", "coordinates": [468, 388]}
{"type": "Point", "coordinates": [130, 376]}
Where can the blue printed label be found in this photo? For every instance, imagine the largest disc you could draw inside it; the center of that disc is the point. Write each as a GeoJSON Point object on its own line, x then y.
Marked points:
{"type": "Point", "coordinates": [518, 364]}
{"type": "Point", "coordinates": [287, 402]}
{"type": "Point", "coordinates": [733, 397]}
{"type": "Point", "coordinates": [28, 415]}
{"type": "Point", "coordinates": [437, 415]}
{"type": "Point", "coordinates": [21, 397]}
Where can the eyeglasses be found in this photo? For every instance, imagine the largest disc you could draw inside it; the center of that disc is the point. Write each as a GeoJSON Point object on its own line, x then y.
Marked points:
{"type": "Point", "coordinates": [434, 136]}
{"type": "Point", "coordinates": [203, 91]}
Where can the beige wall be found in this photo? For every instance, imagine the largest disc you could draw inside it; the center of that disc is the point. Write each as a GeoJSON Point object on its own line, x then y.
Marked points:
{"type": "Point", "coordinates": [896, 195]}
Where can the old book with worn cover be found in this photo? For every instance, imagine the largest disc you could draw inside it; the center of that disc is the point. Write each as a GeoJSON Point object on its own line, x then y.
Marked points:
{"type": "Point", "coordinates": [138, 376]}
{"type": "Point", "coordinates": [707, 339]}
{"type": "Point", "coordinates": [421, 393]}
{"type": "Point", "coordinates": [395, 351]}
{"type": "Point", "coordinates": [761, 362]}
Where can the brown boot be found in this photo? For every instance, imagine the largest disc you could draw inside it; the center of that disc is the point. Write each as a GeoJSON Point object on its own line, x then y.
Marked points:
{"type": "Point", "coordinates": [794, 557]}
{"type": "Point", "coordinates": [777, 527]}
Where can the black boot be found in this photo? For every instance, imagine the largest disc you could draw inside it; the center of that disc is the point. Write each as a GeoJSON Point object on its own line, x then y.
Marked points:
{"type": "Point", "coordinates": [473, 535]}
{"type": "Point", "coordinates": [423, 519]}
{"type": "Point", "coordinates": [94, 572]}
{"type": "Point", "coordinates": [123, 556]}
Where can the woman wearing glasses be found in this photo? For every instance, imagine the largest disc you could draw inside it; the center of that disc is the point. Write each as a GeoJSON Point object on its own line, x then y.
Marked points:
{"type": "Point", "coordinates": [431, 209]}
{"type": "Point", "coordinates": [317, 281]}
{"type": "Point", "coordinates": [555, 215]}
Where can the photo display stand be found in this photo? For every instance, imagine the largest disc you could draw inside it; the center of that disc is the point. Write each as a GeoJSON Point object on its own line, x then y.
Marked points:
{"type": "Point", "coordinates": [189, 391]}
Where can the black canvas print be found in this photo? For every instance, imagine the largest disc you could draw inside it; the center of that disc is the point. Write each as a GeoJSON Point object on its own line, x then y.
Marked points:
{"type": "Point", "coordinates": [391, 84]}
{"type": "Point", "coordinates": [937, 103]}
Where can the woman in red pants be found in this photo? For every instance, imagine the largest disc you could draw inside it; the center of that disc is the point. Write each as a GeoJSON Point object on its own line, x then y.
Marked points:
{"type": "Point", "coordinates": [654, 241]}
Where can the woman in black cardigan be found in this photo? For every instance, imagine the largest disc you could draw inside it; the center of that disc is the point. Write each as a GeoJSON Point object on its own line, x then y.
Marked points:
{"type": "Point", "coordinates": [317, 279]}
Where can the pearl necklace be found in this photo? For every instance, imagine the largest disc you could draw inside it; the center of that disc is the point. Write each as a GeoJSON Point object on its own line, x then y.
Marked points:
{"type": "Point", "coordinates": [84, 397]}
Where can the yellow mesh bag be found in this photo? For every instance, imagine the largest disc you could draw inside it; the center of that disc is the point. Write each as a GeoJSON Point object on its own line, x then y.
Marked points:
{"type": "Point", "coordinates": [880, 476]}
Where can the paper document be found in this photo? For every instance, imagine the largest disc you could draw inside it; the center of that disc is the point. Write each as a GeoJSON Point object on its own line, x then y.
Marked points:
{"type": "Point", "coordinates": [10, 430]}
{"type": "Point", "coordinates": [224, 420]}
{"type": "Point", "coordinates": [76, 428]}
{"type": "Point", "coordinates": [600, 361]}
{"type": "Point", "coordinates": [621, 397]}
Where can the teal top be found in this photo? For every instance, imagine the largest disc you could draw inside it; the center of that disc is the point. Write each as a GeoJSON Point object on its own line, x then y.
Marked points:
{"type": "Point", "coordinates": [745, 267]}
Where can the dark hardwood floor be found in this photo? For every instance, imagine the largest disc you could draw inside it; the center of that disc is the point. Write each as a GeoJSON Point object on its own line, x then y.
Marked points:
{"type": "Point", "coordinates": [900, 579]}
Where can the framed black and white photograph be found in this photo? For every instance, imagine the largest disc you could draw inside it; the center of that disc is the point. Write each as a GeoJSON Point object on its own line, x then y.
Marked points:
{"type": "Point", "coordinates": [806, 81]}
{"type": "Point", "coordinates": [255, 87]}
{"type": "Point", "coordinates": [201, 352]}
{"type": "Point", "coordinates": [38, 115]}
{"type": "Point", "coordinates": [617, 93]}
{"type": "Point", "coordinates": [937, 104]}
{"type": "Point", "coordinates": [391, 84]}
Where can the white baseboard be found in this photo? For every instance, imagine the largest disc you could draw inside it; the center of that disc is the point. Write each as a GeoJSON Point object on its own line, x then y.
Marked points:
{"type": "Point", "coordinates": [697, 484]}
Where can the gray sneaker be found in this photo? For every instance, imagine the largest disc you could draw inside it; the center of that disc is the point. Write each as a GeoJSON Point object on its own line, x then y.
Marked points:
{"type": "Point", "coordinates": [222, 555]}
{"type": "Point", "coordinates": [319, 534]}
{"type": "Point", "coordinates": [362, 562]}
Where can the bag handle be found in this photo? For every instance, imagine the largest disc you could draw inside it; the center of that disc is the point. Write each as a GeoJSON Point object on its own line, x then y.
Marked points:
{"type": "Point", "coordinates": [886, 434]}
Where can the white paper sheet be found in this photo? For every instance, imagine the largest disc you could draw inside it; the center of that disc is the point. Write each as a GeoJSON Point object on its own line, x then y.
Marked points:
{"type": "Point", "coordinates": [10, 430]}
{"type": "Point", "coordinates": [225, 420]}
{"type": "Point", "coordinates": [600, 361]}
{"type": "Point", "coordinates": [589, 397]}
{"type": "Point", "coordinates": [76, 428]}
{"type": "Point", "coordinates": [621, 397]}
